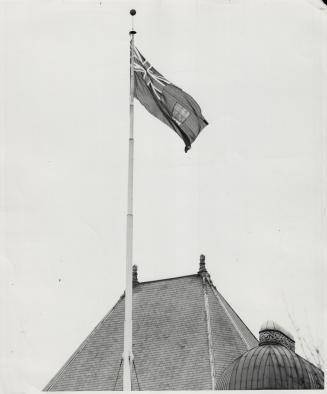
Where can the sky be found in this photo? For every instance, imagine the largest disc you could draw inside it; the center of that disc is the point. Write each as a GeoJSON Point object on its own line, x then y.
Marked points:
{"type": "Point", "coordinates": [250, 194]}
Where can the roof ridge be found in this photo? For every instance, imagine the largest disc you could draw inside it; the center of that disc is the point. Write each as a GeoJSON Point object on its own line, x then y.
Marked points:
{"type": "Point", "coordinates": [162, 280]}
{"type": "Point", "coordinates": [209, 332]}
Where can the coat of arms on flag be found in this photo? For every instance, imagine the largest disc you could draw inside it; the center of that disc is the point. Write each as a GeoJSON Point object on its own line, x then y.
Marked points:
{"type": "Point", "coordinates": [166, 101]}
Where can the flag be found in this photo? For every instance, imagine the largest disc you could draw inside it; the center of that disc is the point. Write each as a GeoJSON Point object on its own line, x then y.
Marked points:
{"type": "Point", "coordinates": [167, 102]}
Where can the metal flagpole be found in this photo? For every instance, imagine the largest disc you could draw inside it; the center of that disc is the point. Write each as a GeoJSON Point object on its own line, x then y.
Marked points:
{"type": "Point", "coordinates": [128, 355]}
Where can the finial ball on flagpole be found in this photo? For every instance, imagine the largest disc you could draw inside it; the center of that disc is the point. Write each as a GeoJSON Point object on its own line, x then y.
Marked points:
{"type": "Point", "coordinates": [132, 12]}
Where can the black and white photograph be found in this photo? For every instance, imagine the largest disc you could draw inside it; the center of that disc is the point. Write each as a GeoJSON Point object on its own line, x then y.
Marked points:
{"type": "Point", "coordinates": [162, 195]}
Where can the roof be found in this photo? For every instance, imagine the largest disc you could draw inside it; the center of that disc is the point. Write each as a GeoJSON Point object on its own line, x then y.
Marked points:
{"type": "Point", "coordinates": [271, 367]}
{"type": "Point", "coordinates": [184, 335]}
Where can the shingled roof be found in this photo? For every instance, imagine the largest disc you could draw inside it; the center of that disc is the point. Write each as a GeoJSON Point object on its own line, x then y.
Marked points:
{"type": "Point", "coordinates": [184, 335]}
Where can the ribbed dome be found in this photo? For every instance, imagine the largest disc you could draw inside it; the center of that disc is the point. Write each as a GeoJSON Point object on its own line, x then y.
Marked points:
{"type": "Point", "coordinates": [271, 365]}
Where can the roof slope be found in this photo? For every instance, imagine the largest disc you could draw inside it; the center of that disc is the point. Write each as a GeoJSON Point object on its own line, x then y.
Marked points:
{"type": "Point", "coordinates": [184, 335]}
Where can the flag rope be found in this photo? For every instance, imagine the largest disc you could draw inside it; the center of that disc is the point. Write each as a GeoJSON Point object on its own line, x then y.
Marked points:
{"type": "Point", "coordinates": [117, 376]}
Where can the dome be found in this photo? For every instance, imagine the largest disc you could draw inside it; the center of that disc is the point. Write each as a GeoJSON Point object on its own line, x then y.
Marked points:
{"type": "Point", "coordinates": [271, 365]}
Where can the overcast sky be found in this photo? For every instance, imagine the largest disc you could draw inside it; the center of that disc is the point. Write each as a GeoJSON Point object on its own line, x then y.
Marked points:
{"type": "Point", "coordinates": [249, 194]}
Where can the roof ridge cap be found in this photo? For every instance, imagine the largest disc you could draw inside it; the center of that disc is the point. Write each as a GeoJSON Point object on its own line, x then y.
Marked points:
{"type": "Point", "coordinates": [209, 333]}
{"type": "Point", "coordinates": [172, 278]}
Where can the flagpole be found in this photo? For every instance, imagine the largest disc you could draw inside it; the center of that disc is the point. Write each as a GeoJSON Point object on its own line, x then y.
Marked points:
{"type": "Point", "coordinates": [128, 326]}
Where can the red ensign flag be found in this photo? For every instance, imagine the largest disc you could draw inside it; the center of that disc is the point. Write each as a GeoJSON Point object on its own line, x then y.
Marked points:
{"type": "Point", "coordinates": [166, 101]}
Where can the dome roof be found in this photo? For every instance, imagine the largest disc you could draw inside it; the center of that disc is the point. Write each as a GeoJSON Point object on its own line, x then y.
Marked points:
{"type": "Point", "coordinates": [271, 365]}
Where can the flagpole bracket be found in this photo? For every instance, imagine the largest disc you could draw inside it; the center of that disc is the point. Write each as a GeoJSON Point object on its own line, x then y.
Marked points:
{"type": "Point", "coordinates": [132, 32]}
